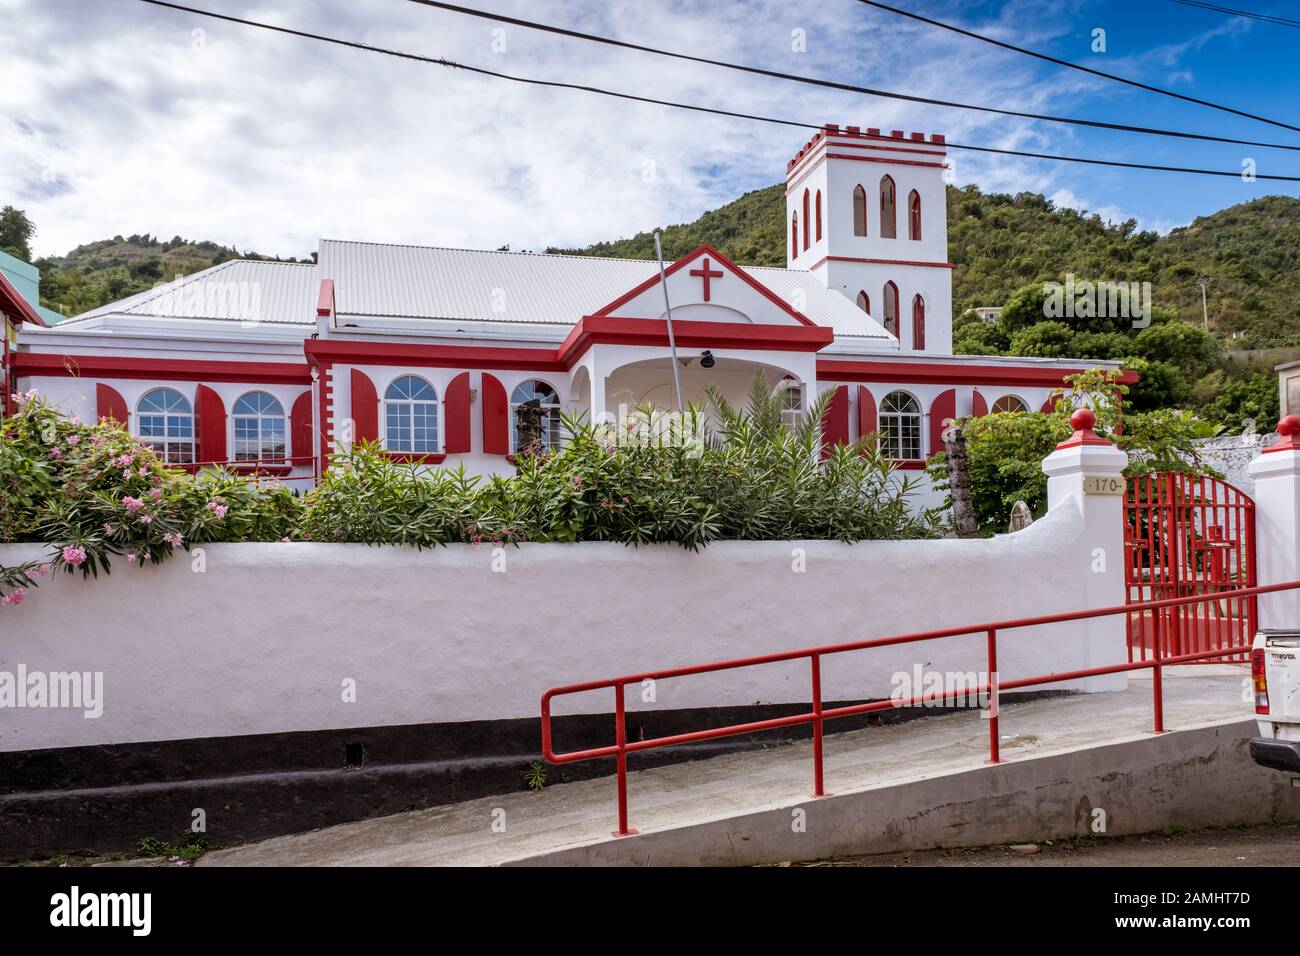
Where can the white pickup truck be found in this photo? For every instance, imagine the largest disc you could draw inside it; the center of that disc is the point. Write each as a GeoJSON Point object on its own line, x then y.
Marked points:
{"type": "Point", "coordinates": [1275, 673]}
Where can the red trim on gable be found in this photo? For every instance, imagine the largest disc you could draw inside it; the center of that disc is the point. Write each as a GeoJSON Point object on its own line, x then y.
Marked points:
{"type": "Point", "coordinates": [19, 308]}
{"type": "Point", "coordinates": [117, 366]}
{"type": "Point", "coordinates": [365, 406]}
{"type": "Point", "coordinates": [456, 406]}
{"type": "Point", "coordinates": [433, 356]}
{"type": "Point", "coordinates": [685, 260]}
{"type": "Point", "coordinates": [109, 403]}
{"type": "Point", "coordinates": [881, 262]}
{"type": "Point", "coordinates": [933, 373]}
{"type": "Point", "coordinates": [325, 300]}
{"type": "Point", "coordinates": [615, 330]}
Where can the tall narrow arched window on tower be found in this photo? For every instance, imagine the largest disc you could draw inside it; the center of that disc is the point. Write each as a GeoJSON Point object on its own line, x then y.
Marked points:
{"type": "Point", "coordinates": [859, 211]}
{"type": "Point", "coordinates": [794, 236]}
{"type": "Point", "coordinates": [807, 217]}
{"type": "Point", "coordinates": [914, 215]}
{"type": "Point", "coordinates": [891, 309]}
{"type": "Point", "coordinates": [888, 213]}
{"type": "Point", "coordinates": [819, 215]}
{"type": "Point", "coordinates": [864, 302]}
{"type": "Point", "coordinates": [918, 322]}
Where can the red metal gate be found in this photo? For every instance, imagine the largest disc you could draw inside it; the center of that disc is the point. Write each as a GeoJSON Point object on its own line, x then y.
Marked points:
{"type": "Point", "coordinates": [1188, 535]}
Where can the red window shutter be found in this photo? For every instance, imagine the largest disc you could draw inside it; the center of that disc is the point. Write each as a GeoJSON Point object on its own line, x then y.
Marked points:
{"type": "Point", "coordinates": [365, 407]}
{"type": "Point", "coordinates": [942, 411]}
{"type": "Point", "coordinates": [835, 420]}
{"type": "Point", "coordinates": [496, 417]}
{"type": "Point", "coordinates": [457, 409]}
{"type": "Point", "coordinates": [866, 411]}
{"type": "Point", "coordinates": [979, 406]}
{"type": "Point", "coordinates": [1049, 406]}
{"type": "Point", "coordinates": [109, 403]}
{"type": "Point", "coordinates": [209, 427]}
{"type": "Point", "coordinates": [300, 430]}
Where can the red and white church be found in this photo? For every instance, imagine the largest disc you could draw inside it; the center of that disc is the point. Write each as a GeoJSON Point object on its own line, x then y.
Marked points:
{"type": "Point", "coordinates": [268, 366]}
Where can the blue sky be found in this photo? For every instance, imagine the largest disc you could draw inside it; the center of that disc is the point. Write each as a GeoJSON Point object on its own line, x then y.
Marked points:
{"type": "Point", "coordinates": [118, 117]}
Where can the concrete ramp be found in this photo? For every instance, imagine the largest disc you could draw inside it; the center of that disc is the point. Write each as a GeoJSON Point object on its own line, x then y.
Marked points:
{"type": "Point", "coordinates": [1072, 766]}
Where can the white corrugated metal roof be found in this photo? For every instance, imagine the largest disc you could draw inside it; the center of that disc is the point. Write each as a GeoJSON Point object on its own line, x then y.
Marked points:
{"type": "Point", "coordinates": [239, 290]}
{"type": "Point", "coordinates": [377, 279]}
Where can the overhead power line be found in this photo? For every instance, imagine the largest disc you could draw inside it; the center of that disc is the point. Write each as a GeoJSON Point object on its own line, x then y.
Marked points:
{"type": "Point", "coordinates": [715, 111]}
{"type": "Point", "coordinates": [1248, 14]}
{"type": "Point", "coordinates": [834, 84]}
{"type": "Point", "coordinates": [1075, 66]}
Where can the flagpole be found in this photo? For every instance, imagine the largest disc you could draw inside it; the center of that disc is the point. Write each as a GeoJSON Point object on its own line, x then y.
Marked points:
{"type": "Point", "coordinates": [668, 311]}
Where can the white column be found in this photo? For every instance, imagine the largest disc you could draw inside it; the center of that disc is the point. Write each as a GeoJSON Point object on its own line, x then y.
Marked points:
{"type": "Point", "coordinates": [1100, 552]}
{"type": "Point", "coordinates": [1277, 525]}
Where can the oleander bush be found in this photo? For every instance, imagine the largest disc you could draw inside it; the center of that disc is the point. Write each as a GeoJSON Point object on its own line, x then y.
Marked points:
{"type": "Point", "coordinates": [95, 494]}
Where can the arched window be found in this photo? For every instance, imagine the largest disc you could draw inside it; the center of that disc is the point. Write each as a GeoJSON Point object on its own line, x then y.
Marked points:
{"type": "Point", "coordinates": [891, 309]}
{"type": "Point", "coordinates": [411, 416]}
{"type": "Point", "coordinates": [819, 215]}
{"type": "Point", "coordinates": [535, 409]}
{"type": "Point", "coordinates": [1009, 403]}
{"type": "Point", "coordinates": [166, 423]}
{"type": "Point", "coordinates": [794, 236]}
{"type": "Point", "coordinates": [900, 427]}
{"type": "Point", "coordinates": [859, 211]}
{"type": "Point", "coordinates": [259, 427]}
{"type": "Point", "coordinates": [914, 215]}
{"type": "Point", "coordinates": [791, 404]}
{"type": "Point", "coordinates": [888, 216]}
{"type": "Point", "coordinates": [864, 302]}
{"type": "Point", "coordinates": [807, 218]}
{"type": "Point", "coordinates": [918, 323]}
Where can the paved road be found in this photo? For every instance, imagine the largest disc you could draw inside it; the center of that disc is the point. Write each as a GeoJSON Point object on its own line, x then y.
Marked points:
{"type": "Point", "coordinates": [1252, 846]}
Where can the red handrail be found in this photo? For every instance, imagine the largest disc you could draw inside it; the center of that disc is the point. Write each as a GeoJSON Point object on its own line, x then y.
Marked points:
{"type": "Point", "coordinates": [819, 715]}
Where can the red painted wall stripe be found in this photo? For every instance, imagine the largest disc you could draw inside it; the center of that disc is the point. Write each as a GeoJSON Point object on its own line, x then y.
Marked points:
{"type": "Point", "coordinates": [365, 407]}
{"type": "Point", "coordinates": [496, 417]}
{"type": "Point", "coordinates": [456, 405]}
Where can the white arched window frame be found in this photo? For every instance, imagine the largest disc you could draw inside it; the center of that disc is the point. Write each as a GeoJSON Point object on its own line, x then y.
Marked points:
{"type": "Point", "coordinates": [165, 423]}
{"type": "Point", "coordinates": [791, 403]}
{"type": "Point", "coordinates": [550, 399]}
{"type": "Point", "coordinates": [1009, 403]}
{"type": "Point", "coordinates": [900, 421]}
{"type": "Point", "coordinates": [411, 416]}
{"type": "Point", "coordinates": [258, 428]}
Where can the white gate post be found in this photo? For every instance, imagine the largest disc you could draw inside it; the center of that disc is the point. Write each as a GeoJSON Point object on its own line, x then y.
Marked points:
{"type": "Point", "coordinates": [1089, 471]}
{"type": "Point", "coordinates": [1276, 471]}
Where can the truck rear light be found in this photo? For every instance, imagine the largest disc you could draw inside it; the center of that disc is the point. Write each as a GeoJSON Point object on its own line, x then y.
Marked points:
{"type": "Point", "coordinates": [1259, 680]}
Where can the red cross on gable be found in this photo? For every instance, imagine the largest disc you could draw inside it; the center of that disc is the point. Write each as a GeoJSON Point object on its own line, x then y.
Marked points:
{"type": "Point", "coordinates": [706, 274]}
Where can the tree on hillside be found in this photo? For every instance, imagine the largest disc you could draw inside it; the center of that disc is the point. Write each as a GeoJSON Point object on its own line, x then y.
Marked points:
{"type": "Point", "coordinates": [16, 232]}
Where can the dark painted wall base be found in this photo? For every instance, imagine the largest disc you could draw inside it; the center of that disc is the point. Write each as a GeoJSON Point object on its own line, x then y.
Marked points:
{"type": "Point", "coordinates": [106, 799]}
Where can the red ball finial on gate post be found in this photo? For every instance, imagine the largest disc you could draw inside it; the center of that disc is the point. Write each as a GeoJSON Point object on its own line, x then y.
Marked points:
{"type": "Point", "coordinates": [1083, 421]}
{"type": "Point", "coordinates": [1289, 429]}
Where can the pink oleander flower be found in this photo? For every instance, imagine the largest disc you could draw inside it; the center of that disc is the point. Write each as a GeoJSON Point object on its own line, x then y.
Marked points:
{"type": "Point", "coordinates": [33, 573]}
{"type": "Point", "coordinates": [14, 597]}
{"type": "Point", "coordinates": [108, 528]}
{"type": "Point", "coordinates": [146, 519]}
{"type": "Point", "coordinates": [173, 538]}
{"type": "Point", "coordinates": [56, 452]}
{"type": "Point", "coordinates": [155, 493]}
{"type": "Point", "coordinates": [217, 509]}
{"type": "Point", "coordinates": [74, 556]}
{"type": "Point", "coordinates": [74, 440]}
{"type": "Point", "coordinates": [132, 504]}
{"type": "Point", "coordinates": [130, 558]}
{"type": "Point", "coordinates": [75, 419]}
{"type": "Point", "coordinates": [126, 473]}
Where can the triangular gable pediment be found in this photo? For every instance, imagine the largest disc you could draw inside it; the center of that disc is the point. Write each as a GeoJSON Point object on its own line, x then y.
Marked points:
{"type": "Point", "coordinates": [706, 286]}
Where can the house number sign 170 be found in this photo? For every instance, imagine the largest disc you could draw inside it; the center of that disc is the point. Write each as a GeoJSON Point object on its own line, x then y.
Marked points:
{"type": "Point", "coordinates": [1103, 485]}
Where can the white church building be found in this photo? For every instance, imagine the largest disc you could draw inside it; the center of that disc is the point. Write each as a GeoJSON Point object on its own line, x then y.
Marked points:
{"type": "Point", "coordinates": [267, 365]}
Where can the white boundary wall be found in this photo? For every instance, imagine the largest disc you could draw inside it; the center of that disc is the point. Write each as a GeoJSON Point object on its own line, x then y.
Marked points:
{"type": "Point", "coordinates": [264, 638]}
